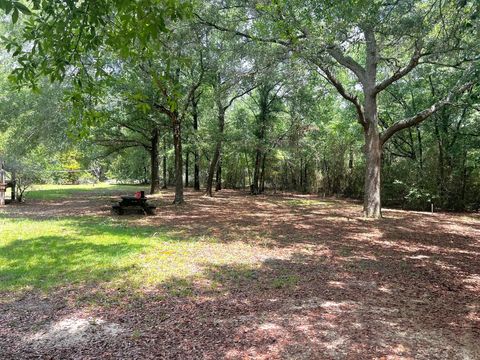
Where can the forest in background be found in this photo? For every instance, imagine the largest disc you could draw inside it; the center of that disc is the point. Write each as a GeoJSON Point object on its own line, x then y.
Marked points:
{"type": "Point", "coordinates": [308, 96]}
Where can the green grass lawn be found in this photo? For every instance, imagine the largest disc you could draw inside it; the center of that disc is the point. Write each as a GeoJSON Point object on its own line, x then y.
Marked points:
{"type": "Point", "coordinates": [46, 254]}
{"type": "Point", "coordinates": [56, 192]}
{"type": "Point", "coordinates": [105, 251]}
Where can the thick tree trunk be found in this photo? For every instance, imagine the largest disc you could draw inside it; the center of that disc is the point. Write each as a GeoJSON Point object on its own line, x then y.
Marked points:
{"type": "Point", "coordinates": [177, 144]}
{"type": "Point", "coordinates": [216, 154]}
{"type": "Point", "coordinates": [154, 163]}
{"type": "Point", "coordinates": [373, 159]}
{"type": "Point", "coordinates": [372, 207]}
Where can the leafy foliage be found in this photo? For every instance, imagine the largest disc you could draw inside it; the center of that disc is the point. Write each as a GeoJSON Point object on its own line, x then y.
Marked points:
{"type": "Point", "coordinates": [278, 95]}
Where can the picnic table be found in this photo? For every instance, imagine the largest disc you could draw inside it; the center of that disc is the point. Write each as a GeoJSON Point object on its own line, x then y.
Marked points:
{"type": "Point", "coordinates": [137, 203]}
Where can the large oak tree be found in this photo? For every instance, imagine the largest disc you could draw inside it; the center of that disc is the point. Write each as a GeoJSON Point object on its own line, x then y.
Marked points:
{"type": "Point", "coordinates": [364, 47]}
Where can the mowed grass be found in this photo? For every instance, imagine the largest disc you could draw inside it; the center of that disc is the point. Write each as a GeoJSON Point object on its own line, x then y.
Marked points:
{"type": "Point", "coordinates": [104, 251]}
{"type": "Point", "coordinates": [57, 192]}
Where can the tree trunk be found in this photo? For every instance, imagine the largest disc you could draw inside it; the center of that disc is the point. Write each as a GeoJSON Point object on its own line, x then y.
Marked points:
{"type": "Point", "coordinates": [14, 185]}
{"type": "Point", "coordinates": [164, 163]}
{"type": "Point", "coordinates": [177, 144]}
{"type": "Point", "coordinates": [464, 178]}
{"type": "Point", "coordinates": [249, 176]}
{"type": "Point", "coordinates": [196, 170]}
{"type": "Point", "coordinates": [154, 163]}
{"type": "Point", "coordinates": [187, 160]}
{"type": "Point", "coordinates": [262, 175]}
{"type": "Point", "coordinates": [420, 147]}
{"type": "Point", "coordinates": [373, 156]}
{"type": "Point", "coordinates": [301, 174]}
{"type": "Point", "coordinates": [263, 104]}
{"type": "Point", "coordinates": [256, 173]}
{"type": "Point", "coordinates": [216, 154]}
{"type": "Point", "coordinates": [211, 170]}
{"type": "Point", "coordinates": [218, 185]}
{"type": "Point", "coordinates": [305, 174]}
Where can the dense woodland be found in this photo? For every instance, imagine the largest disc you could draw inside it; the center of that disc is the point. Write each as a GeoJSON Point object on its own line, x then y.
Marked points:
{"type": "Point", "coordinates": [375, 100]}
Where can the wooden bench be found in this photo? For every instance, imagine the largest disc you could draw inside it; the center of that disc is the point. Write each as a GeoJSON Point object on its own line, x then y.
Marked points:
{"type": "Point", "coordinates": [136, 204]}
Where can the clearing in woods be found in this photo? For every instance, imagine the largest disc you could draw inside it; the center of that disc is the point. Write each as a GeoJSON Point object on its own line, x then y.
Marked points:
{"type": "Point", "coordinates": [235, 276]}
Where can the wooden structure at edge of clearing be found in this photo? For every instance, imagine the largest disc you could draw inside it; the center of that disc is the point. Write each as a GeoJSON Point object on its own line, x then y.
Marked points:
{"type": "Point", "coordinates": [4, 185]}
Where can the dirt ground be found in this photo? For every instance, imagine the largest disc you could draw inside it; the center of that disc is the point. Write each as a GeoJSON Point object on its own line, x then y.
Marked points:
{"type": "Point", "coordinates": [329, 285]}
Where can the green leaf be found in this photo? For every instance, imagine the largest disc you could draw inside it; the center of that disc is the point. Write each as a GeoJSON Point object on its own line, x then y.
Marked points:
{"type": "Point", "coordinates": [15, 15]}
{"type": "Point", "coordinates": [22, 8]}
{"type": "Point", "coordinates": [8, 6]}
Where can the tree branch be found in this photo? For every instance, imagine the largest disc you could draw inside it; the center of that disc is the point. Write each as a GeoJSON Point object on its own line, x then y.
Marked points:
{"type": "Point", "coordinates": [164, 110]}
{"type": "Point", "coordinates": [248, 36]}
{"type": "Point", "coordinates": [348, 62]}
{"type": "Point", "coordinates": [239, 95]}
{"type": "Point", "coordinates": [422, 115]}
{"type": "Point", "coordinates": [341, 90]}
{"type": "Point", "coordinates": [412, 64]}
{"type": "Point", "coordinates": [113, 151]}
{"type": "Point", "coordinates": [134, 129]}
{"type": "Point", "coordinates": [117, 142]}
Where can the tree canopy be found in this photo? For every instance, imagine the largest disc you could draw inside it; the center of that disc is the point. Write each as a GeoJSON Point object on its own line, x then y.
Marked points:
{"type": "Point", "coordinates": [372, 99]}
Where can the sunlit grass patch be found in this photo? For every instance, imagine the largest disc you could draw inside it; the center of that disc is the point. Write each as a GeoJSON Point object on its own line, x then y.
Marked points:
{"type": "Point", "coordinates": [308, 202]}
{"type": "Point", "coordinates": [56, 192]}
{"type": "Point", "coordinates": [108, 254]}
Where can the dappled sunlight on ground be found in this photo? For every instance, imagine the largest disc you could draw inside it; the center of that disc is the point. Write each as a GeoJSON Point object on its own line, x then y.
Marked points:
{"type": "Point", "coordinates": [237, 276]}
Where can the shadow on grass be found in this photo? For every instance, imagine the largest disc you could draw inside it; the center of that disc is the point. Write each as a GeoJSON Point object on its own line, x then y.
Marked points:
{"type": "Point", "coordinates": [51, 261]}
{"type": "Point", "coordinates": [88, 252]}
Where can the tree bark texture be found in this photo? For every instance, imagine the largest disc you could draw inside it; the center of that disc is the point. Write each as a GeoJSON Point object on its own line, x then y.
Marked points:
{"type": "Point", "coordinates": [154, 163]}
{"type": "Point", "coordinates": [177, 144]}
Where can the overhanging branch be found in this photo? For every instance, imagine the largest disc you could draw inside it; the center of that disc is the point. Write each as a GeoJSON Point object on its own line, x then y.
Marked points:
{"type": "Point", "coordinates": [423, 115]}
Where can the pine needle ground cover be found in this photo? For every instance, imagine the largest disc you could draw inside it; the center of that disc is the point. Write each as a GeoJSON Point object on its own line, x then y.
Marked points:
{"type": "Point", "coordinates": [234, 276]}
